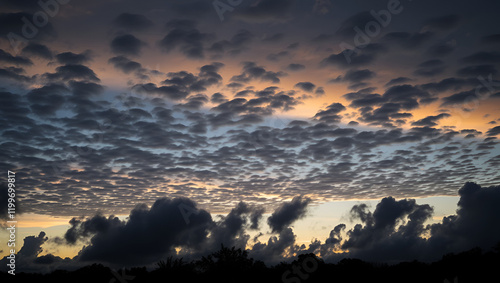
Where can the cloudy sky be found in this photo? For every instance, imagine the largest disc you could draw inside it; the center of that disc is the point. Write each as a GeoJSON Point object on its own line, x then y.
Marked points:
{"type": "Point", "coordinates": [263, 124]}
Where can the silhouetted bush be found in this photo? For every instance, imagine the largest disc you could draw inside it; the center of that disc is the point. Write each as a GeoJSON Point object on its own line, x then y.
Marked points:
{"type": "Point", "coordinates": [235, 265]}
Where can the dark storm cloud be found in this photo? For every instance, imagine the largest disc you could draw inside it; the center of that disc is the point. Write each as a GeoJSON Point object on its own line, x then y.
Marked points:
{"type": "Point", "coordinates": [293, 46]}
{"type": "Point", "coordinates": [460, 98]}
{"type": "Point", "coordinates": [192, 8]}
{"type": "Point", "coordinates": [288, 213]}
{"type": "Point", "coordinates": [430, 68]}
{"type": "Point", "coordinates": [218, 98]}
{"type": "Point", "coordinates": [172, 92]}
{"type": "Point", "coordinates": [322, 38]}
{"type": "Point", "coordinates": [132, 22]}
{"type": "Point", "coordinates": [124, 64]}
{"type": "Point", "coordinates": [482, 57]}
{"type": "Point", "coordinates": [179, 85]}
{"type": "Point", "coordinates": [355, 77]}
{"type": "Point", "coordinates": [407, 40]}
{"type": "Point", "coordinates": [174, 137]}
{"type": "Point", "coordinates": [253, 110]}
{"type": "Point", "coordinates": [335, 237]}
{"type": "Point", "coordinates": [278, 56]}
{"type": "Point", "coordinates": [364, 99]}
{"type": "Point", "coordinates": [430, 121]}
{"type": "Point", "coordinates": [29, 5]}
{"type": "Point", "coordinates": [37, 50]}
{"type": "Point", "coordinates": [306, 86]}
{"type": "Point", "coordinates": [194, 102]}
{"type": "Point", "coordinates": [477, 70]}
{"type": "Point", "coordinates": [398, 81]}
{"type": "Point", "coordinates": [472, 225]}
{"type": "Point", "coordinates": [362, 56]}
{"type": "Point", "coordinates": [493, 131]}
{"type": "Point", "coordinates": [13, 110]}
{"type": "Point", "coordinates": [28, 258]}
{"type": "Point", "coordinates": [208, 76]}
{"type": "Point", "coordinates": [319, 91]}
{"type": "Point", "coordinates": [273, 38]}
{"type": "Point", "coordinates": [379, 232]}
{"type": "Point", "coordinates": [274, 250]}
{"type": "Point", "coordinates": [449, 84]}
{"type": "Point", "coordinates": [184, 35]}
{"type": "Point", "coordinates": [231, 230]}
{"type": "Point", "coordinates": [70, 58]}
{"type": "Point", "coordinates": [347, 29]}
{"type": "Point", "coordinates": [85, 89]}
{"type": "Point", "coordinates": [491, 39]}
{"type": "Point", "coordinates": [495, 95]}
{"type": "Point", "coordinates": [47, 99]}
{"type": "Point", "coordinates": [358, 75]}
{"type": "Point", "coordinates": [127, 44]}
{"type": "Point", "coordinates": [392, 103]}
{"type": "Point", "coordinates": [295, 67]}
{"type": "Point", "coordinates": [255, 217]}
{"type": "Point", "coordinates": [81, 229]}
{"type": "Point", "coordinates": [470, 132]}
{"type": "Point", "coordinates": [33, 245]}
{"type": "Point", "coordinates": [173, 223]}
{"type": "Point", "coordinates": [429, 72]}
{"type": "Point", "coordinates": [443, 23]}
{"type": "Point", "coordinates": [71, 72]}
{"type": "Point", "coordinates": [16, 74]}
{"type": "Point", "coordinates": [407, 96]}
{"type": "Point", "coordinates": [330, 115]}
{"type": "Point", "coordinates": [235, 45]}
{"type": "Point", "coordinates": [266, 11]}
{"type": "Point", "coordinates": [386, 115]}
{"type": "Point", "coordinates": [395, 231]}
{"type": "Point", "coordinates": [15, 23]}
{"type": "Point", "coordinates": [148, 235]}
{"type": "Point", "coordinates": [7, 58]}
{"type": "Point", "coordinates": [252, 71]}
{"type": "Point", "coordinates": [442, 49]}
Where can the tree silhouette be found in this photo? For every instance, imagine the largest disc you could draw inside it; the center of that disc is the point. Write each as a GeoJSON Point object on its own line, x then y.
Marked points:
{"type": "Point", "coordinates": [170, 264]}
{"type": "Point", "coordinates": [235, 265]}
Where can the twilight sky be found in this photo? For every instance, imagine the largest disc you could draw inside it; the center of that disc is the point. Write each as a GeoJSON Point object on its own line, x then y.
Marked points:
{"type": "Point", "coordinates": [273, 114]}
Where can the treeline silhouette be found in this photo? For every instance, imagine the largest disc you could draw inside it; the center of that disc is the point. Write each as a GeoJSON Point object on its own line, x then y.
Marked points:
{"type": "Point", "coordinates": [234, 265]}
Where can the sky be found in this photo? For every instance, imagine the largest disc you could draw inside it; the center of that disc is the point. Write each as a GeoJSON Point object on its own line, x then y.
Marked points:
{"type": "Point", "coordinates": [345, 128]}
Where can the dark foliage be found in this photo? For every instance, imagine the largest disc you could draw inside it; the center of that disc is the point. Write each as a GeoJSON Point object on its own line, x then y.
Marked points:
{"type": "Point", "coordinates": [234, 265]}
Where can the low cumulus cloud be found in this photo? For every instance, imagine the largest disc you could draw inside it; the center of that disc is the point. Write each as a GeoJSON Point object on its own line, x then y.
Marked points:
{"type": "Point", "coordinates": [397, 230]}
{"type": "Point", "coordinates": [288, 213]}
